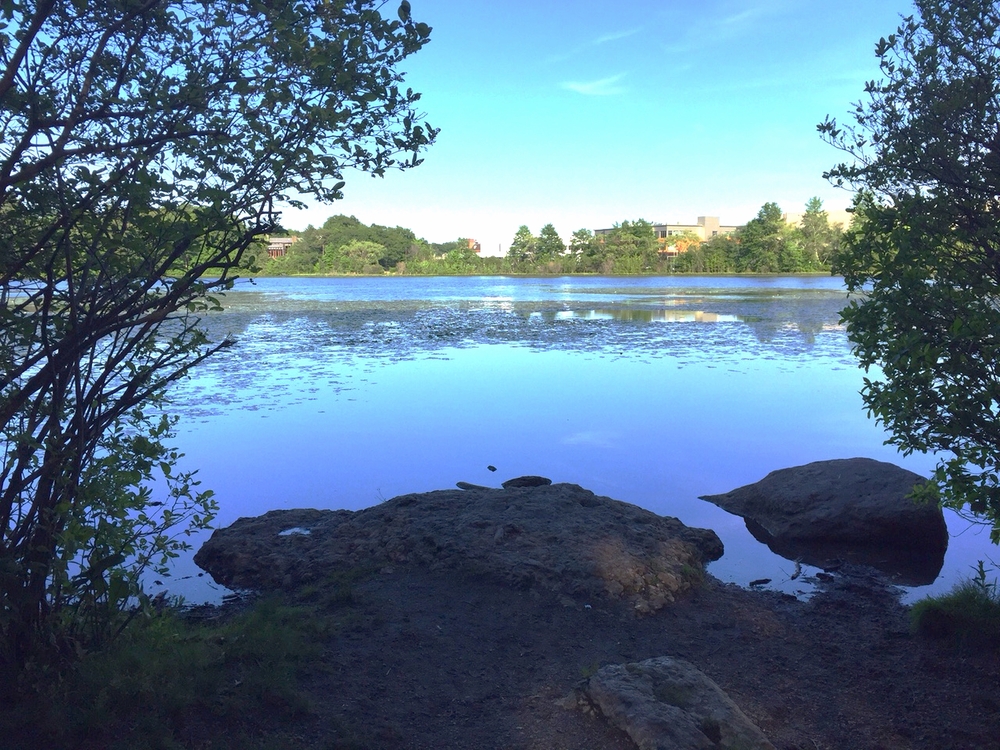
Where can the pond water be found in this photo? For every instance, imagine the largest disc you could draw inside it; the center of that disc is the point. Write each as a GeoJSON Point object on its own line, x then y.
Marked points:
{"type": "Point", "coordinates": [343, 392]}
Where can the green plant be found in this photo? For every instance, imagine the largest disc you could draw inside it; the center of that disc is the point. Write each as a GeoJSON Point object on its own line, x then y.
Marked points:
{"type": "Point", "coordinates": [920, 259]}
{"type": "Point", "coordinates": [693, 574]}
{"type": "Point", "coordinates": [168, 681]}
{"type": "Point", "coordinates": [115, 531]}
{"type": "Point", "coordinates": [979, 580]}
{"type": "Point", "coordinates": [143, 147]}
{"type": "Point", "coordinates": [970, 612]}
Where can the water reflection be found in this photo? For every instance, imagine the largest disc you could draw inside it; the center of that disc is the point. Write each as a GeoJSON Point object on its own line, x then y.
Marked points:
{"type": "Point", "coordinates": [904, 567]}
{"type": "Point", "coordinates": [342, 392]}
{"type": "Point", "coordinates": [539, 314]}
{"type": "Point", "coordinates": [329, 337]}
{"type": "Point", "coordinates": [632, 315]}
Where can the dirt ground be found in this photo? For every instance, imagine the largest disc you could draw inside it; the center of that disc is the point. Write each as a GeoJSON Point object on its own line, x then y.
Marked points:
{"type": "Point", "coordinates": [445, 660]}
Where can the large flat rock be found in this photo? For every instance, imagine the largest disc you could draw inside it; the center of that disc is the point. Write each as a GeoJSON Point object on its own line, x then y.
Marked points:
{"type": "Point", "coordinates": [559, 537]}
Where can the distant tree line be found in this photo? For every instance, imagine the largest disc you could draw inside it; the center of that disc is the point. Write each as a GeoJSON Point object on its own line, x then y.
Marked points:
{"type": "Point", "coordinates": [767, 244]}
{"type": "Point", "coordinates": [343, 245]}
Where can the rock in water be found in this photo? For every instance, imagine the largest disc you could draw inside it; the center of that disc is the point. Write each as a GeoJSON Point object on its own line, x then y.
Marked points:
{"type": "Point", "coordinates": [854, 508]}
{"type": "Point", "coordinates": [667, 704]}
{"type": "Point", "coordinates": [559, 537]}
{"type": "Point", "coordinates": [527, 481]}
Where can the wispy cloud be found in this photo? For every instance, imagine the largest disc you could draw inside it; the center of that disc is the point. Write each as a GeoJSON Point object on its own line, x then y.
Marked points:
{"type": "Point", "coordinates": [743, 17]}
{"type": "Point", "coordinates": [746, 20]}
{"type": "Point", "coordinates": [612, 36]}
{"type": "Point", "coordinates": [601, 87]}
{"type": "Point", "coordinates": [615, 36]}
{"type": "Point", "coordinates": [735, 23]}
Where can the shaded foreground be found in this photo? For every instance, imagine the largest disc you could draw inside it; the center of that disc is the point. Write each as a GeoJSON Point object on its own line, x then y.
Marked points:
{"type": "Point", "coordinates": [482, 614]}
{"type": "Point", "coordinates": [441, 659]}
{"type": "Point", "coordinates": [415, 658]}
{"type": "Point", "coordinates": [468, 620]}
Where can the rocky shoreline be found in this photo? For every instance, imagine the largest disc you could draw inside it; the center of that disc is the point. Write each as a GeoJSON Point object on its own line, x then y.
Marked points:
{"type": "Point", "coordinates": [558, 537]}
{"type": "Point", "coordinates": [596, 618]}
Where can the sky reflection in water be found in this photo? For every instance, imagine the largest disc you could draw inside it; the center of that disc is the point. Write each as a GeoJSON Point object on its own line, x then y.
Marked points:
{"type": "Point", "coordinates": [345, 392]}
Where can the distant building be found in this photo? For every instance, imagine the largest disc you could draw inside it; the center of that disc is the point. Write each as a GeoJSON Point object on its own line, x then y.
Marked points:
{"type": "Point", "coordinates": [473, 245]}
{"type": "Point", "coordinates": [278, 246]}
{"type": "Point", "coordinates": [706, 228]}
{"type": "Point", "coordinates": [676, 238]}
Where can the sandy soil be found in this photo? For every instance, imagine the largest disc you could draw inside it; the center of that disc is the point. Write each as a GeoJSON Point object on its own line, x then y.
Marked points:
{"type": "Point", "coordinates": [445, 660]}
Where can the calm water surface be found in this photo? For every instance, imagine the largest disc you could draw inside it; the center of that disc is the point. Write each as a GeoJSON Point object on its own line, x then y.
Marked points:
{"type": "Point", "coordinates": [344, 392]}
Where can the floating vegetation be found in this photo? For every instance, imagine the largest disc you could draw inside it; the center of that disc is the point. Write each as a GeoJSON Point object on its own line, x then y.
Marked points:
{"type": "Point", "coordinates": [306, 336]}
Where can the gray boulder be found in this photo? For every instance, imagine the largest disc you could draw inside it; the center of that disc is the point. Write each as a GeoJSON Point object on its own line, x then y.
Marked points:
{"type": "Point", "coordinates": [559, 537]}
{"type": "Point", "coordinates": [856, 509]}
{"type": "Point", "coordinates": [667, 704]}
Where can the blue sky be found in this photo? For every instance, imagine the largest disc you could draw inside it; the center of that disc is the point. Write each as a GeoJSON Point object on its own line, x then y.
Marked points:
{"type": "Point", "coordinates": [588, 113]}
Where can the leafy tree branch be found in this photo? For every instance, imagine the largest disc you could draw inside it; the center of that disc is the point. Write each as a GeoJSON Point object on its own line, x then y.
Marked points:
{"type": "Point", "coordinates": [923, 259]}
{"type": "Point", "coordinates": [144, 147]}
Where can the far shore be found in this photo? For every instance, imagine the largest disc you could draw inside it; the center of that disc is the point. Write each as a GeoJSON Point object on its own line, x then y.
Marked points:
{"type": "Point", "coordinates": [393, 274]}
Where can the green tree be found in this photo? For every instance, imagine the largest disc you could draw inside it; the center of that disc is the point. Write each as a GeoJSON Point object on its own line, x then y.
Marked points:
{"type": "Point", "coordinates": [461, 259]}
{"type": "Point", "coordinates": [820, 240]}
{"type": "Point", "coordinates": [922, 258]}
{"type": "Point", "coordinates": [144, 146]}
{"type": "Point", "coordinates": [302, 256]}
{"type": "Point", "coordinates": [522, 248]}
{"type": "Point", "coordinates": [339, 231]}
{"type": "Point", "coordinates": [762, 241]}
{"type": "Point", "coordinates": [441, 249]}
{"type": "Point", "coordinates": [791, 255]}
{"type": "Point", "coordinates": [549, 245]}
{"type": "Point", "coordinates": [336, 232]}
{"type": "Point", "coordinates": [630, 247]}
{"type": "Point", "coordinates": [396, 243]}
{"type": "Point", "coordinates": [357, 256]}
{"type": "Point", "coordinates": [581, 242]}
{"type": "Point", "coordinates": [720, 253]}
{"type": "Point", "coordinates": [715, 255]}
{"type": "Point", "coordinates": [585, 250]}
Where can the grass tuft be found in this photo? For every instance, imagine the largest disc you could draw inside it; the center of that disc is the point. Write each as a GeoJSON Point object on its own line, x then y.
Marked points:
{"type": "Point", "coordinates": [170, 682]}
{"type": "Point", "coordinates": [969, 613]}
